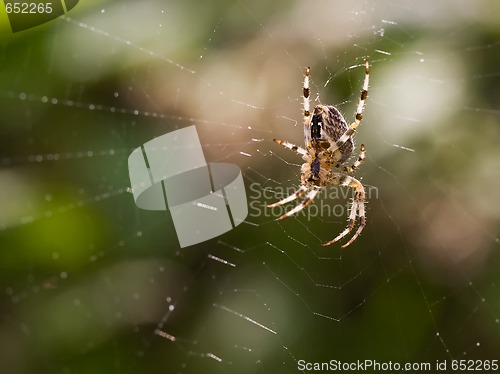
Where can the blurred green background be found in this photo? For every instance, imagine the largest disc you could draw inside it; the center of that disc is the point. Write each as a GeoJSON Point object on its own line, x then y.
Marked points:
{"type": "Point", "coordinates": [92, 284]}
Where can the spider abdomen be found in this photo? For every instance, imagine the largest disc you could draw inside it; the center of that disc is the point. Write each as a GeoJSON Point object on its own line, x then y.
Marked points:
{"type": "Point", "coordinates": [329, 125]}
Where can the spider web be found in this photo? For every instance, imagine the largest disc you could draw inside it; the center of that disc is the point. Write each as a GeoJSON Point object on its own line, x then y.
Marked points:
{"type": "Point", "coordinates": [91, 283]}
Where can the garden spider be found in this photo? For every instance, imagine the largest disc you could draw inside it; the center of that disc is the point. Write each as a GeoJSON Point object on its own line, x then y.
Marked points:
{"type": "Point", "coordinates": [329, 144]}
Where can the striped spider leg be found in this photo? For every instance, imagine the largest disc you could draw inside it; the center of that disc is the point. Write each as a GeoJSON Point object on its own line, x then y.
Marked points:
{"type": "Point", "coordinates": [328, 145]}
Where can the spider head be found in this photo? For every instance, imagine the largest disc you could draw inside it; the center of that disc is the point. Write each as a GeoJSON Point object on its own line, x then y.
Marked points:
{"type": "Point", "coordinates": [315, 169]}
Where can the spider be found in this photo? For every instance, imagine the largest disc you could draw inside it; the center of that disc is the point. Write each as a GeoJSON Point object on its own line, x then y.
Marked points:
{"type": "Point", "coordinates": [329, 144]}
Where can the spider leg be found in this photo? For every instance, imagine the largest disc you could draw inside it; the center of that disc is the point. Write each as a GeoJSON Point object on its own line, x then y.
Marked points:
{"type": "Point", "coordinates": [302, 190]}
{"type": "Point", "coordinates": [308, 200]}
{"type": "Point", "coordinates": [357, 208]}
{"type": "Point", "coordinates": [350, 224]}
{"type": "Point", "coordinates": [359, 161]}
{"type": "Point", "coordinates": [359, 111]}
{"type": "Point", "coordinates": [307, 107]}
{"type": "Point", "coordinates": [364, 94]}
{"type": "Point", "coordinates": [299, 150]}
{"type": "Point", "coordinates": [362, 224]}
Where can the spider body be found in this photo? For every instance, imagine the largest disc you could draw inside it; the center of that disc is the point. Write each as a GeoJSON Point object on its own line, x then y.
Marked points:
{"type": "Point", "coordinates": [328, 145]}
{"type": "Point", "coordinates": [327, 126]}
